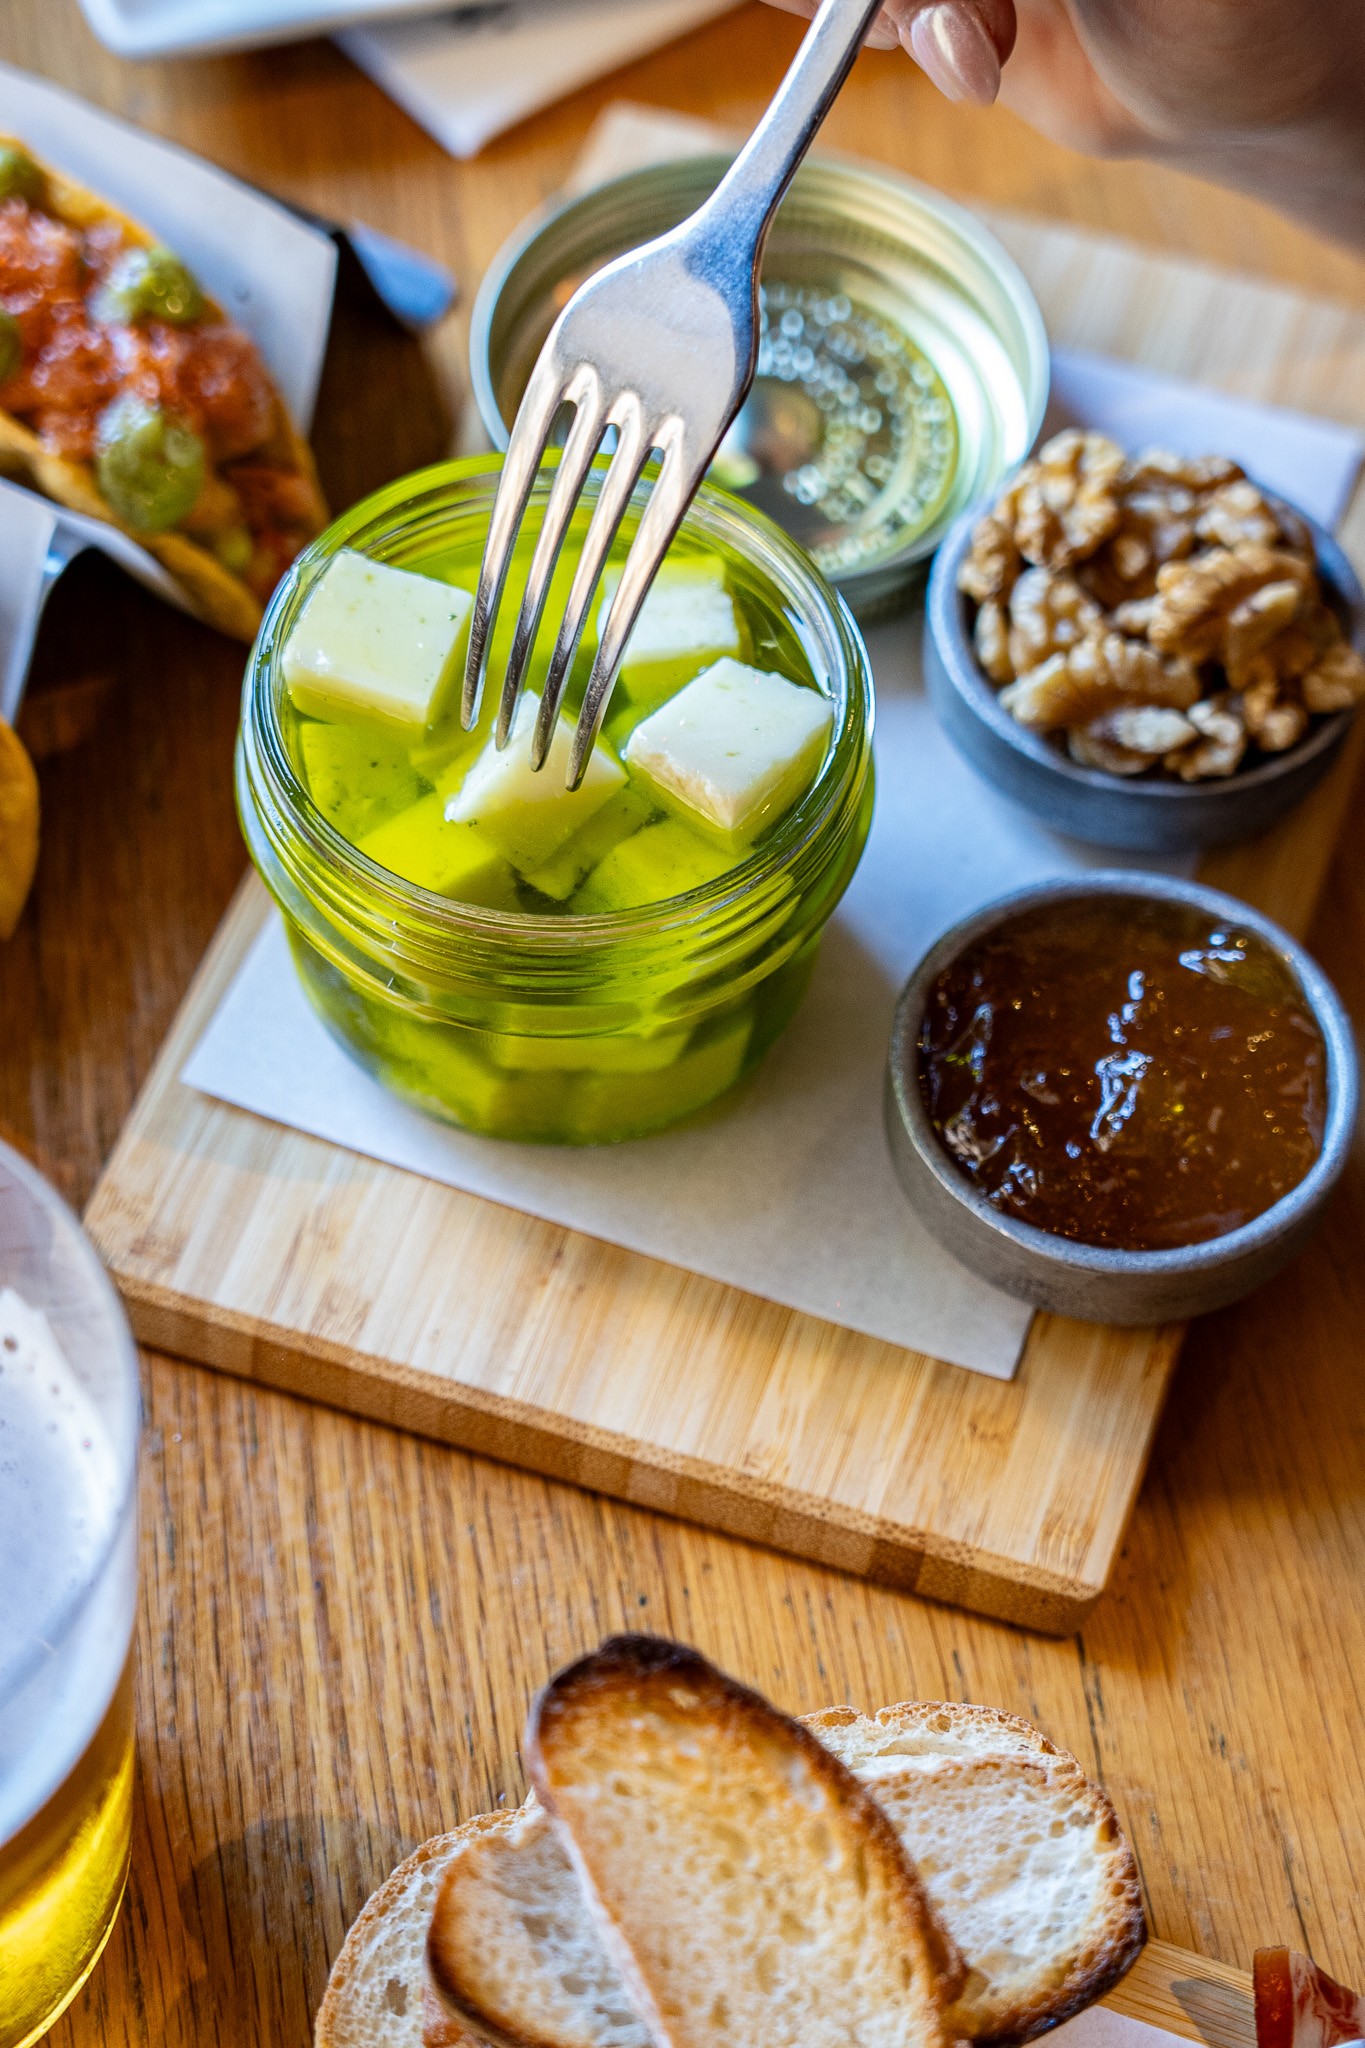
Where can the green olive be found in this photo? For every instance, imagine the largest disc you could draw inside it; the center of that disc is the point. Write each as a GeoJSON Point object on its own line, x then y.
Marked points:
{"type": "Point", "coordinates": [150, 284]}
{"type": "Point", "coordinates": [11, 346]}
{"type": "Point", "coordinates": [234, 549]}
{"type": "Point", "coordinates": [150, 463]}
{"type": "Point", "coordinates": [20, 177]}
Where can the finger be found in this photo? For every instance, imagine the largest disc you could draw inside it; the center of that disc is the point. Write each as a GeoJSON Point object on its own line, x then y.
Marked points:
{"type": "Point", "coordinates": [883, 34]}
{"type": "Point", "coordinates": [959, 44]}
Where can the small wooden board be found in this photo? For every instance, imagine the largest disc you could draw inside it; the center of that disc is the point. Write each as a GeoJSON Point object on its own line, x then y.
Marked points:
{"type": "Point", "coordinates": [252, 1248]}
{"type": "Point", "coordinates": [1187, 1995]}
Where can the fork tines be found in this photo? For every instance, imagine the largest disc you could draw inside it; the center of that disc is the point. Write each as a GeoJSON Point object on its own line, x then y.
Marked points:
{"type": "Point", "coordinates": [637, 439]}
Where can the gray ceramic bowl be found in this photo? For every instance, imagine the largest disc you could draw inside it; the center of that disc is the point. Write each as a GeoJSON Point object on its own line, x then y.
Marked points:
{"type": "Point", "coordinates": [1090, 1281]}
{"type": "Point", "coordinates": [1146, 814]}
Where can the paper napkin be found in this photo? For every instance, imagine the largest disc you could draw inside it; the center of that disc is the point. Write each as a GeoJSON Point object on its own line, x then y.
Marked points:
{"type": "Point", "coordinates": [1100, 2027]}
{"type": "Point", "coordinates": [465, 76]}
{"type": "Point", "coordinates": [37, 540]}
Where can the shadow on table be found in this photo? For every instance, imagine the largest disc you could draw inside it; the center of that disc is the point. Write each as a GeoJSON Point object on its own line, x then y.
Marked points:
{"type": "Point", "coordinates": [1256, 1457]}
{"type": "Point", "coordinates": [263, 1919]}
{"type": "Point", "coordinates": [1224, 2016]}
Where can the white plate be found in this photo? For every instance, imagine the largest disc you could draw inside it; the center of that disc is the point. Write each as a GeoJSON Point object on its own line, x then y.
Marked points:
{"type": "Point", "coordinates": [156, 28]}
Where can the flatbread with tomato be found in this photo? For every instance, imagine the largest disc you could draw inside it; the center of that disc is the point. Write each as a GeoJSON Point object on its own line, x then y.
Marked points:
{"type": "Point", "coordinates": [127, 394]}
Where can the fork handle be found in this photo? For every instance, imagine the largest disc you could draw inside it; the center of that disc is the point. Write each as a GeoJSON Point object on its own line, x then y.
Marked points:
{"type": "Point", "coordinates": [741, 208]}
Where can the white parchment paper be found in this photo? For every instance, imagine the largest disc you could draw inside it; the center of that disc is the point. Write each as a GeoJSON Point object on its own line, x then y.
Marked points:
{"type": "Point", "coordinates": [1099, 2027]}
{"type": "Point", "coordinates": [37, 540]}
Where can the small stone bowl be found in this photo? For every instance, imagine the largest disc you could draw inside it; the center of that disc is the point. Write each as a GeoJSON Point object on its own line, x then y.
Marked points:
{"type": "Point", "coordinates": [1091, 1281]}
{"type": "Point", "coordinates": [1148, 814]}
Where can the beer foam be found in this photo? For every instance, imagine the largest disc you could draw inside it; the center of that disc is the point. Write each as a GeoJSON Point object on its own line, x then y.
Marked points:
{"type": "Point", "coordinates": [59, 1484]}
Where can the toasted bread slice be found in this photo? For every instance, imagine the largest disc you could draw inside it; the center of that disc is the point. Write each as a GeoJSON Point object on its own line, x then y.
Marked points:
{"type": "Point", "coordinates": [1021, 1855]}
{"type": "Point", "coordinates": [376, 1996]}
{"type": "Point", "coordinates": [19, 810]}
{"type": "Point", "coordinates": [745, 1885]}
{"type": "Point", "coordinates": [520, 1955]}
{"type": "Point", "coordinates": [975, 1793]}
{"type": "Point", "coordinates": [218, 596]}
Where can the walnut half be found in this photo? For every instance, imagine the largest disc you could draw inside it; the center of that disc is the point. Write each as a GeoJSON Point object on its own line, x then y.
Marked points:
{"type": "Point", "coordinates": [1098, 675]}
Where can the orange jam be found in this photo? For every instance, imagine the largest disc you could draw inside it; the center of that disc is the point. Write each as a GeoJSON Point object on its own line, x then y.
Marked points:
{"type": "Point", "coordinates": [1124, 1072]}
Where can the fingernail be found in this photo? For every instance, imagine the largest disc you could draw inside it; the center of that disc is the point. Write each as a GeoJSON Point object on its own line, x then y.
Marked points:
{"type": "Point", "coordinates": [883, 34]}
{"type": "Point", "coordinates": [951, 46]}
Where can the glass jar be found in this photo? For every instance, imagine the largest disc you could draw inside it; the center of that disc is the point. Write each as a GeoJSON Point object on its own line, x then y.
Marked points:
{"type": "Point", "coordinates": [571, 1029]}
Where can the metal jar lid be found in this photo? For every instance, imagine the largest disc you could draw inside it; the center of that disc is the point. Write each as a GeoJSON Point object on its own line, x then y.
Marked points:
{"type": "Point", "coordinates": [903, 369]}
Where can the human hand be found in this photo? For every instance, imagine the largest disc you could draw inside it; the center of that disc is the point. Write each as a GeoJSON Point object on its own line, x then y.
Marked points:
{"type": "Point", "coordinates": [1258, 94]}
{"type": "Point", "coordinates": [960, 44]}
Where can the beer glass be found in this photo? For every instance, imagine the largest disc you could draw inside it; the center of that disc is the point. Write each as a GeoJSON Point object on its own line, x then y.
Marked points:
{"type": "Point", "coordinates": [69, 1422]}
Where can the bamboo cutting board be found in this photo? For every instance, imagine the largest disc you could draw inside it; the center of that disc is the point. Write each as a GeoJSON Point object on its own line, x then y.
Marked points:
{"type": "Point", "coordinates": [246, 1246]}
{"type": "Point", "coordinates": [1187, 1995]}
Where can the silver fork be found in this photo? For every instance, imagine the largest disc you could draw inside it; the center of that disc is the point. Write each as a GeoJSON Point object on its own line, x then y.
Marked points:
{"type": "Point", "coordinates": [661, 345]}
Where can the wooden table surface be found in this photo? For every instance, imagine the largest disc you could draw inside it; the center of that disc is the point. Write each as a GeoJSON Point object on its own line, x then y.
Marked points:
{"type": "Point", "coordinates": [340, 1627]}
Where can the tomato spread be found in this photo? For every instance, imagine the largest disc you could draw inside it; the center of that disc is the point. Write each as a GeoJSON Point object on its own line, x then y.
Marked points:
{"type": "Point", "coordinates": [111, 356]}
{"type": "Point", "coordinates": [1124, 1072]}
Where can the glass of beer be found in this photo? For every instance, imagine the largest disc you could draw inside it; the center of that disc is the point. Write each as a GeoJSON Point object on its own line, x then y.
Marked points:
{"type": "Point", "coordinates": [69, 1421]}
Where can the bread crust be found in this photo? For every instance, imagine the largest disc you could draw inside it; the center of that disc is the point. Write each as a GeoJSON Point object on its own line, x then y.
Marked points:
{"type": "Point", "coordinates": [439, 2030]}
{"type": "Point", "coordinates": [949, 1717]}
{"type": "Point", "coordinates": [216, 595]}
{"type": "Point", "coordinates": [642, 1664]}
{"type": "Point", "coordinates": [449, 1996]}
{"type": "Point", "coordinates": [449, 2021]}
{"type": "Point", "coordinates": [392, 1894]}
{"type": "Point", "coordinates": [1118, 1939]}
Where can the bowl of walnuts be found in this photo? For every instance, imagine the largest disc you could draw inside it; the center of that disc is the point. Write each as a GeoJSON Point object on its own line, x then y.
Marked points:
{"type": "Point", "coordinates": [1148, 652]}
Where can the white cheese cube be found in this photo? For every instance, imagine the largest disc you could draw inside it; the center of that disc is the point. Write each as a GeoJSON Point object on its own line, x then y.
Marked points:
{"type": "Point", "coordinates": [687, 621]}
{"type": "Point", "coordinates": [377, 640]}
{"type": "Point", "coordinates": [527, 814]}
{"type": "Point", "coordinates": [734, 749]}
{"type": "Point", "coordinates": [688, 611]}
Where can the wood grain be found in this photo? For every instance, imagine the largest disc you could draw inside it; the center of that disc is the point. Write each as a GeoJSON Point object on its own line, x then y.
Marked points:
{"type": "Point", "coordinates": [341, 1625]}
{"type": "Point", "coordinates": [243, 1245]}
{"type": "Point", "coordinates": [1181, 1993]}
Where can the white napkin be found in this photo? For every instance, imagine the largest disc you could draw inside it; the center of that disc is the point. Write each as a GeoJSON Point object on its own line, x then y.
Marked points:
{"type": "Point", "coordinates": [467, 76]}
{"type": "Point", "coordinates": [268, 271]}
{"type": "Point", "coordinates": [37, 540]}
{"type": "Point", "coordinates": [1100, 2027]}
{"type": "Point", "coordinates": [1313, 463]}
